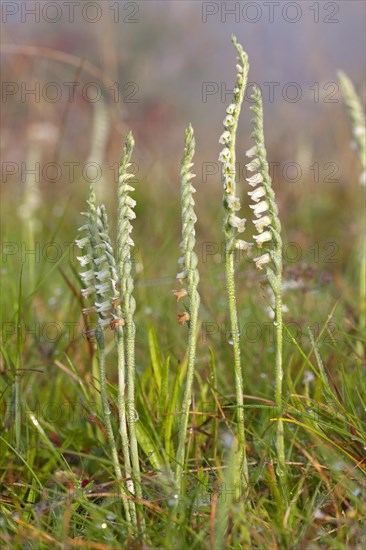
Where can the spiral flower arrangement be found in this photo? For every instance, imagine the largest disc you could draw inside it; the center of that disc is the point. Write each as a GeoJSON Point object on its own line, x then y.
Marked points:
{"type": "Point", "coordinates": [233, 226]}
{"type": "Point", "coordinates": [126, 213]}
{"type": "Point", "coordinates": [109, 279]}
{"type": "Point", "coordinates": [117, 323]}
{"type": "Point", "coordinates": [358, 122]}
{"type": "Point", "coordinates": [99, 280]}
{"type": "Point", "coordinates": [189, 274]}
{"type": "Point", "coordinates": [267, 224]}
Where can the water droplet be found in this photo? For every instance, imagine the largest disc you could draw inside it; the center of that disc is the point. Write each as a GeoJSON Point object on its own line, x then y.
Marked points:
{"type": "Point", "coordinates": [34, 420]}
{"type": "Point", "coordinates": [172, 501]}
{"type": "Point", "coordinates": [276, 324]}
{"type": "Point", "coordinates": [308, 377]}
{"type": "Point", "coordinates": [227, 440]}
{"type": "Point", "coordinates": [318, 514]}
{"type": "Point", "coordinates": [230, 342]}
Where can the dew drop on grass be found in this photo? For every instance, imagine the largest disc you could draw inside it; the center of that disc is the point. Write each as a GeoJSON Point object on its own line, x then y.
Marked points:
{"type": "Point", "coordinates": [275, 323]}
{"type": "Point", "coordinates": [173, 500]}
{"type": "Point", "coordinates": [230, 342]}
{"type": "Point", "coordinates": [227, 439]}
{"type": "Point", "coordinates": [318, 514]}
{"type": "Point", "coordinates": [34, 420]}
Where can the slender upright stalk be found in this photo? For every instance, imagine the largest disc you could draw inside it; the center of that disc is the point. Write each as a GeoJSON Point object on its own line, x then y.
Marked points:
{"type": "Point", "coordinates": [358, 122]}
{"type": "Point", "coordinates": [239, 381]}
{"type": "Point", "coordinates": [131, 407]}
{"type": "Point", "coordinates": [122, 416]}
{"type": "Point", "coordinates": [124, 244]}
{"type": "Point", "coordinates": [232, 226]}
{"type": "Point", "coordinates": [106, 408]}
{"type": "Point", "coordinates": [98, 281]}
{"type": "Point", "coordinates": [117, 323]}
{"type": "Point", "coordinates": [190, 273]}
{"type": "Point", "coordinates": [268, 225]}
{"type": "Point", "coordinates": [279, 377]}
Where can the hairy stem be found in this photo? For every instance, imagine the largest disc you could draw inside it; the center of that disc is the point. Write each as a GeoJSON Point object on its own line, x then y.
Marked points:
{"type": "Point", "coordinates": [107, 415]}
{"type": "Point", "coordinates": [280, 444]}
{"type": "Point", "coordinates": [131, 407]}
{"type": "Point", "coordinates": [123, 421]}
{"type": "Point", "coordinates": [239, 383]}
{"type": "Point", "coordinates": [187, 399]}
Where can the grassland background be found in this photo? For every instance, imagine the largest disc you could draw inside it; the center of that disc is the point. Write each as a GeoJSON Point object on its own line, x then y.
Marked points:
{"type": "Point", "coordinates": [168, 54]}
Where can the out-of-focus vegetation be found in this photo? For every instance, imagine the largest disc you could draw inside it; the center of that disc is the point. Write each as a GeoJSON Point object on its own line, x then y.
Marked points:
{"type": "Point", "coordinates": [56, 480]}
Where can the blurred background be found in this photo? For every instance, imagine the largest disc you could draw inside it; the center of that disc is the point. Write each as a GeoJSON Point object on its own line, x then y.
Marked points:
{"type": "Point", "coordinates": [77, 75]}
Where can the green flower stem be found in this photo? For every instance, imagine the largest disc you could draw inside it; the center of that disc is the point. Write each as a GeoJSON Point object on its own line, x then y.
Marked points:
{"type": "Point", "coordinates": [279, 377]}
{"type": "Point", "coordinates": [239, 382]}
{"type": "Point", "coordinates": [232, 226]}
{"type": "Point", "coordinates": [107, 414]}
{"type": "Point", "coordinates": [103, 269]}
{"type": "Point", "coordinates": [123, 421]}
{"type": "Point", "coordinates": [191, 273]}
{"type": "Point", "coordinates": [124, 243]}
{"type": "Point", "coordinates": [361, 346]}
{"type": "Point", "coordinates": [131, 407]}
{"type": "Point", "coordinates": [121, 365]}
{"type": "Point", "coordinates": [357, 118]}
{"type": "Point", "coordinates": [187, 399]}
{"type": "Point", "coordinates": [273, 257]}
{"type": "Point", "coordinates": [17, 407]}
